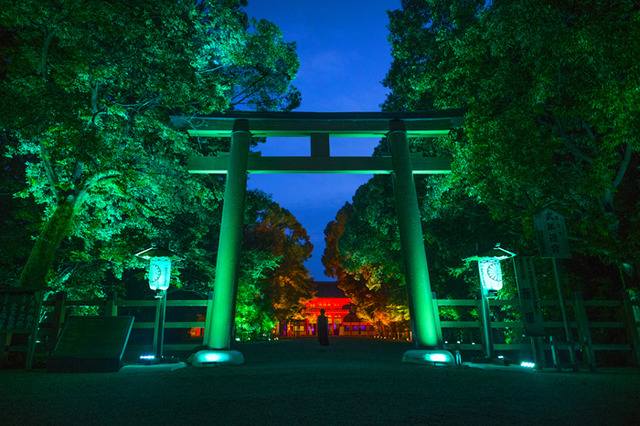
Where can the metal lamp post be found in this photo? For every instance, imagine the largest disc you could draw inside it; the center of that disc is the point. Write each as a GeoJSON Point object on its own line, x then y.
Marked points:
{"type": "Point", "coordinates": [159, 280]}
{"type": "Point", "coordinates": [491, 283]}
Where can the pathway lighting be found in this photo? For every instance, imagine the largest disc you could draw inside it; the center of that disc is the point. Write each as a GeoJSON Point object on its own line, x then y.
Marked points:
{"type": "Point", "coordinates": [433, 357]}
{"type": "Point", "coordinates": [491, 283]}
{"type": "Point", "coordinates": [159, 280]}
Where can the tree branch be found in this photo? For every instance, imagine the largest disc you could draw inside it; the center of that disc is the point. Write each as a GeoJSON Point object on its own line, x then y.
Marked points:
{"type": "Point", "coordinates": [152, 102]}
{"type": "Point", "coordinates": [124, 193]}
{"type": "Point", "coordinates": [49, 170]}
{"type": "Point", "coordinates": [94, 99]}
{"type": "Point", "coordinates": [211, 69]}
{"type": "Point", "coordinates": [247, 89]}
{"type": "Point", "coordinates": [623, 165]}
{"type": "Point", "coordinates": [568, 142]}
{"type": "Point", "coordinates": [84, 192]}
{"type": "Point", "coordinates": [45, 52]}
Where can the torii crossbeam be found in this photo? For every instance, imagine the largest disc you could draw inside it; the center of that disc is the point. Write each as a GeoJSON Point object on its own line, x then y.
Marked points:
{"type": "Point", "coordinates": [320, 127]}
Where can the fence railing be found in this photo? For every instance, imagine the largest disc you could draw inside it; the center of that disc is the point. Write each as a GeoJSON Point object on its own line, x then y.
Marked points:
{"type": "Point", "coordinates": [599, 325]}
{"type": "Point", "coordinates": [112, 306]}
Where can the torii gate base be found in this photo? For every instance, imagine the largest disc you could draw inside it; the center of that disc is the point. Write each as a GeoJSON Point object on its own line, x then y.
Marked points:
{"type": "Point", "coordinates": [319, 127]}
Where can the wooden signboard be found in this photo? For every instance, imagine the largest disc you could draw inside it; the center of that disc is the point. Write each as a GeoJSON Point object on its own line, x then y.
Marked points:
{"type": "Point", "coordinates": [529, 297]}
{"type": "Point", "coordinates": [552, 236]}
{"type": "Point", "coordinates": [20, 314]}
{"type": "Point", "coordinates": [91, 344]}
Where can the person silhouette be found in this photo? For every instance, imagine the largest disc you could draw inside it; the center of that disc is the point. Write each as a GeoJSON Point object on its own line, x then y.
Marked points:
{"type": "Point", "coordinates": [323, 330]}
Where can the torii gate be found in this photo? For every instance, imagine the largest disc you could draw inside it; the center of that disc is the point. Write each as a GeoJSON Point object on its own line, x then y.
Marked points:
{"type": "Point", "coordinates": [319, 127]}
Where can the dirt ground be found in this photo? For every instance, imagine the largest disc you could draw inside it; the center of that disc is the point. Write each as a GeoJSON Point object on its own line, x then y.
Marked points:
{"type": "Point", "coordinates": [355, 381]}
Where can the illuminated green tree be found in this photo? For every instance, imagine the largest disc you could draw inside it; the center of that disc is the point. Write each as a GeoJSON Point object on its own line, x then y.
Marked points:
{"type": "Point", "coordinates": [550, 90]}
{"type": "Point", "coordinates": [87, 88]}
{"type": "Point", "coordinates": [363, 283]}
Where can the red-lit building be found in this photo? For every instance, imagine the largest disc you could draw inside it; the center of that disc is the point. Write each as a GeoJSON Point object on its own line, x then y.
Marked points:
{"type": "Point", "coordinates": [342, 322]}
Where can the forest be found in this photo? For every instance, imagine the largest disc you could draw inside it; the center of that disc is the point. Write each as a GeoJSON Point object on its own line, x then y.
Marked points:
{"type": "Point", "coordinates": [93, 170]}
{"type": "Point", "coordinates": [550, 91]}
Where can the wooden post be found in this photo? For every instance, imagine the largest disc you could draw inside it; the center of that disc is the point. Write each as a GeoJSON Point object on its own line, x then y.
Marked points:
{"type": "Point", "coordinates": [537, 347]}
{"type": "Point", "coordinates": [5, 347]}
{"type": "Point", "coordinates": [436, 317]}
{"type": "Point", "coordinates": [320, 145]}
{"type": "Point", "coordinates": [59, 309]}
{"type": "Point", "coordinates": [487, 330]}
{"type": "Point", "coordinates": [584, 334]}
{"type": "Point", "coordinates": [208, 314]}
{"type": "Point", "coordinates": [555, 354]}
{"type": "Point", "coordinates": [565, 318]}
{"type": "Point", "coordinates": [633, 325]}
{"type": "Point", "coordinates": [110, 307]}
{"type": "Point", "coordinates": [32, 339]}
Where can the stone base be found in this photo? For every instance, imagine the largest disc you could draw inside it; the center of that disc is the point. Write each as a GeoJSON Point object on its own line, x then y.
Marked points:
{"type": "Point", "coordinates": [429, 357]}
{"type": "Point", "coordinates": [215, 357]}
{"type": "Point", "coordinates": [152, 368]}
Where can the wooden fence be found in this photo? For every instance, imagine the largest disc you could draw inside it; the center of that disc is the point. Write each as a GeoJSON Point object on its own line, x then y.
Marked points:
{"type": "Point", "coordinates": [599, 325]}
{"type": "Point", "coordinates": [113, 306]}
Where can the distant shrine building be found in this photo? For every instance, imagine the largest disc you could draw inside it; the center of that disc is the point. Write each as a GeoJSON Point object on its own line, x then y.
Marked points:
{"type": "Point", "coordinates": [337, 306]}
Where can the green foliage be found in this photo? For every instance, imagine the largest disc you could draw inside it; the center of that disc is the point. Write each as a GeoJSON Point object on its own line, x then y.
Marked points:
{"type": "Point", "coordinates": [360, 254]}
{"type": "Point", "coordinates": [91, 86]}
{"type": "Point", "coordinates": [550, 90]}
{"type": "Point", "coordinates": [285, 286]}
{"type": "Point", "coordinates": [371, 235]}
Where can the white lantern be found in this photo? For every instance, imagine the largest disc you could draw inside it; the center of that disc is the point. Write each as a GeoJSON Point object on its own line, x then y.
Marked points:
{"type": "Point", "coordinates": [159, 273]}
{"type": "Point", "coordinates": [490, 273]}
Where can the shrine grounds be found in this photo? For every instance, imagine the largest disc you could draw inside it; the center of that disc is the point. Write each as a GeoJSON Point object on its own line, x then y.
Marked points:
{"type": "Point", "coordinates": [355, 382]}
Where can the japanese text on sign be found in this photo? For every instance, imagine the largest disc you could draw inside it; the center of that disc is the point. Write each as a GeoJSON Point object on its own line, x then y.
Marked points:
{"type": "Point", "coordinates": [552, 235]}
{"type": "Point", "coordinates": [19, 310]}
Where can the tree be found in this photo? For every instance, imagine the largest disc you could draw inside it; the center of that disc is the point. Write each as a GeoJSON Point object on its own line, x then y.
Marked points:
{"type": "Point", "coordinates": [371, 299]}
{"type": "Point", "coordinates": [551, 100]}
{"type": "Point", "coordinates": [287, 286]}
{"type": "Point", "coordinates": [92, 85]}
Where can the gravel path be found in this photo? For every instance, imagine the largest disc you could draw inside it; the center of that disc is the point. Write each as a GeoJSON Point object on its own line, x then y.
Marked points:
{"type": "Point", "coordinates": [356, 381]}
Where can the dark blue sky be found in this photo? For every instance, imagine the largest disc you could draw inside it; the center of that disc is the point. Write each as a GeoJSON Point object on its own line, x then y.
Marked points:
{"type": "Point", "coordinates": [344, 55]}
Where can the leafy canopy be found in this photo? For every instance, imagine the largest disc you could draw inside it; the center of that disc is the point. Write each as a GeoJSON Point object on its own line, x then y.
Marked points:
{"type": "Point", "coordinates": [91, 86]}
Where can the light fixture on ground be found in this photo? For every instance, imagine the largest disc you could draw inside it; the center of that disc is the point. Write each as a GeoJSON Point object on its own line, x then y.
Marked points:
{"type": "Point", "coordinates": [159, 281]}
{"type": "Point", "coordinates": [215, 357]}
{"type": "Point", "coordinates": [427, 356]}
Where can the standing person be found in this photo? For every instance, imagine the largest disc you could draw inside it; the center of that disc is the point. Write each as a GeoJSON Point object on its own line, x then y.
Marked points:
{"type": "Point", "coordinates": [323, 330]}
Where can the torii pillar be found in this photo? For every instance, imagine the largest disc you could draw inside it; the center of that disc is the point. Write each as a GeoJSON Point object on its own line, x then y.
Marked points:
{"type": "Point", "coordinates": [416, 270]}
{"type": "Point", "coordinates": [220, 321]}
{"type": "Point", "coordinates": [320, 126]}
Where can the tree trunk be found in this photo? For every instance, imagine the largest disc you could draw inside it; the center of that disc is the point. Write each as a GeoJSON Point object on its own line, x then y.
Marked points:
{"type": "Point", "coordinates": [34, 274]}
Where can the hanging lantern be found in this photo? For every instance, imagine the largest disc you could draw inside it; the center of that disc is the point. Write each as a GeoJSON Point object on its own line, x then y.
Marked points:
{"type": "Point", "coordinates": [159, 266]}
{"type": "Point", "coordinates": [490, 273]}
{"type": "Point", "coordinates": [159, 273]}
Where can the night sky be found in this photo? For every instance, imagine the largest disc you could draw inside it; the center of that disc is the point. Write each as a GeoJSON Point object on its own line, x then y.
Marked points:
{"type": "Point", "coordinates": [344, 55]}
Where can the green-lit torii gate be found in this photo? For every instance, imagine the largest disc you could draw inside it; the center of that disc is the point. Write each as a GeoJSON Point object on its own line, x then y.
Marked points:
{"type": "Point", "coordinates": [397, 127]}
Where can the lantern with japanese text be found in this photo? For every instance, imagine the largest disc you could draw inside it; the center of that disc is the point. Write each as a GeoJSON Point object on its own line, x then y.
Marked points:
{"type": "Point", "coordinates": [490, 274]}
{"type": "Point", "coordinates": [159, 273]}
